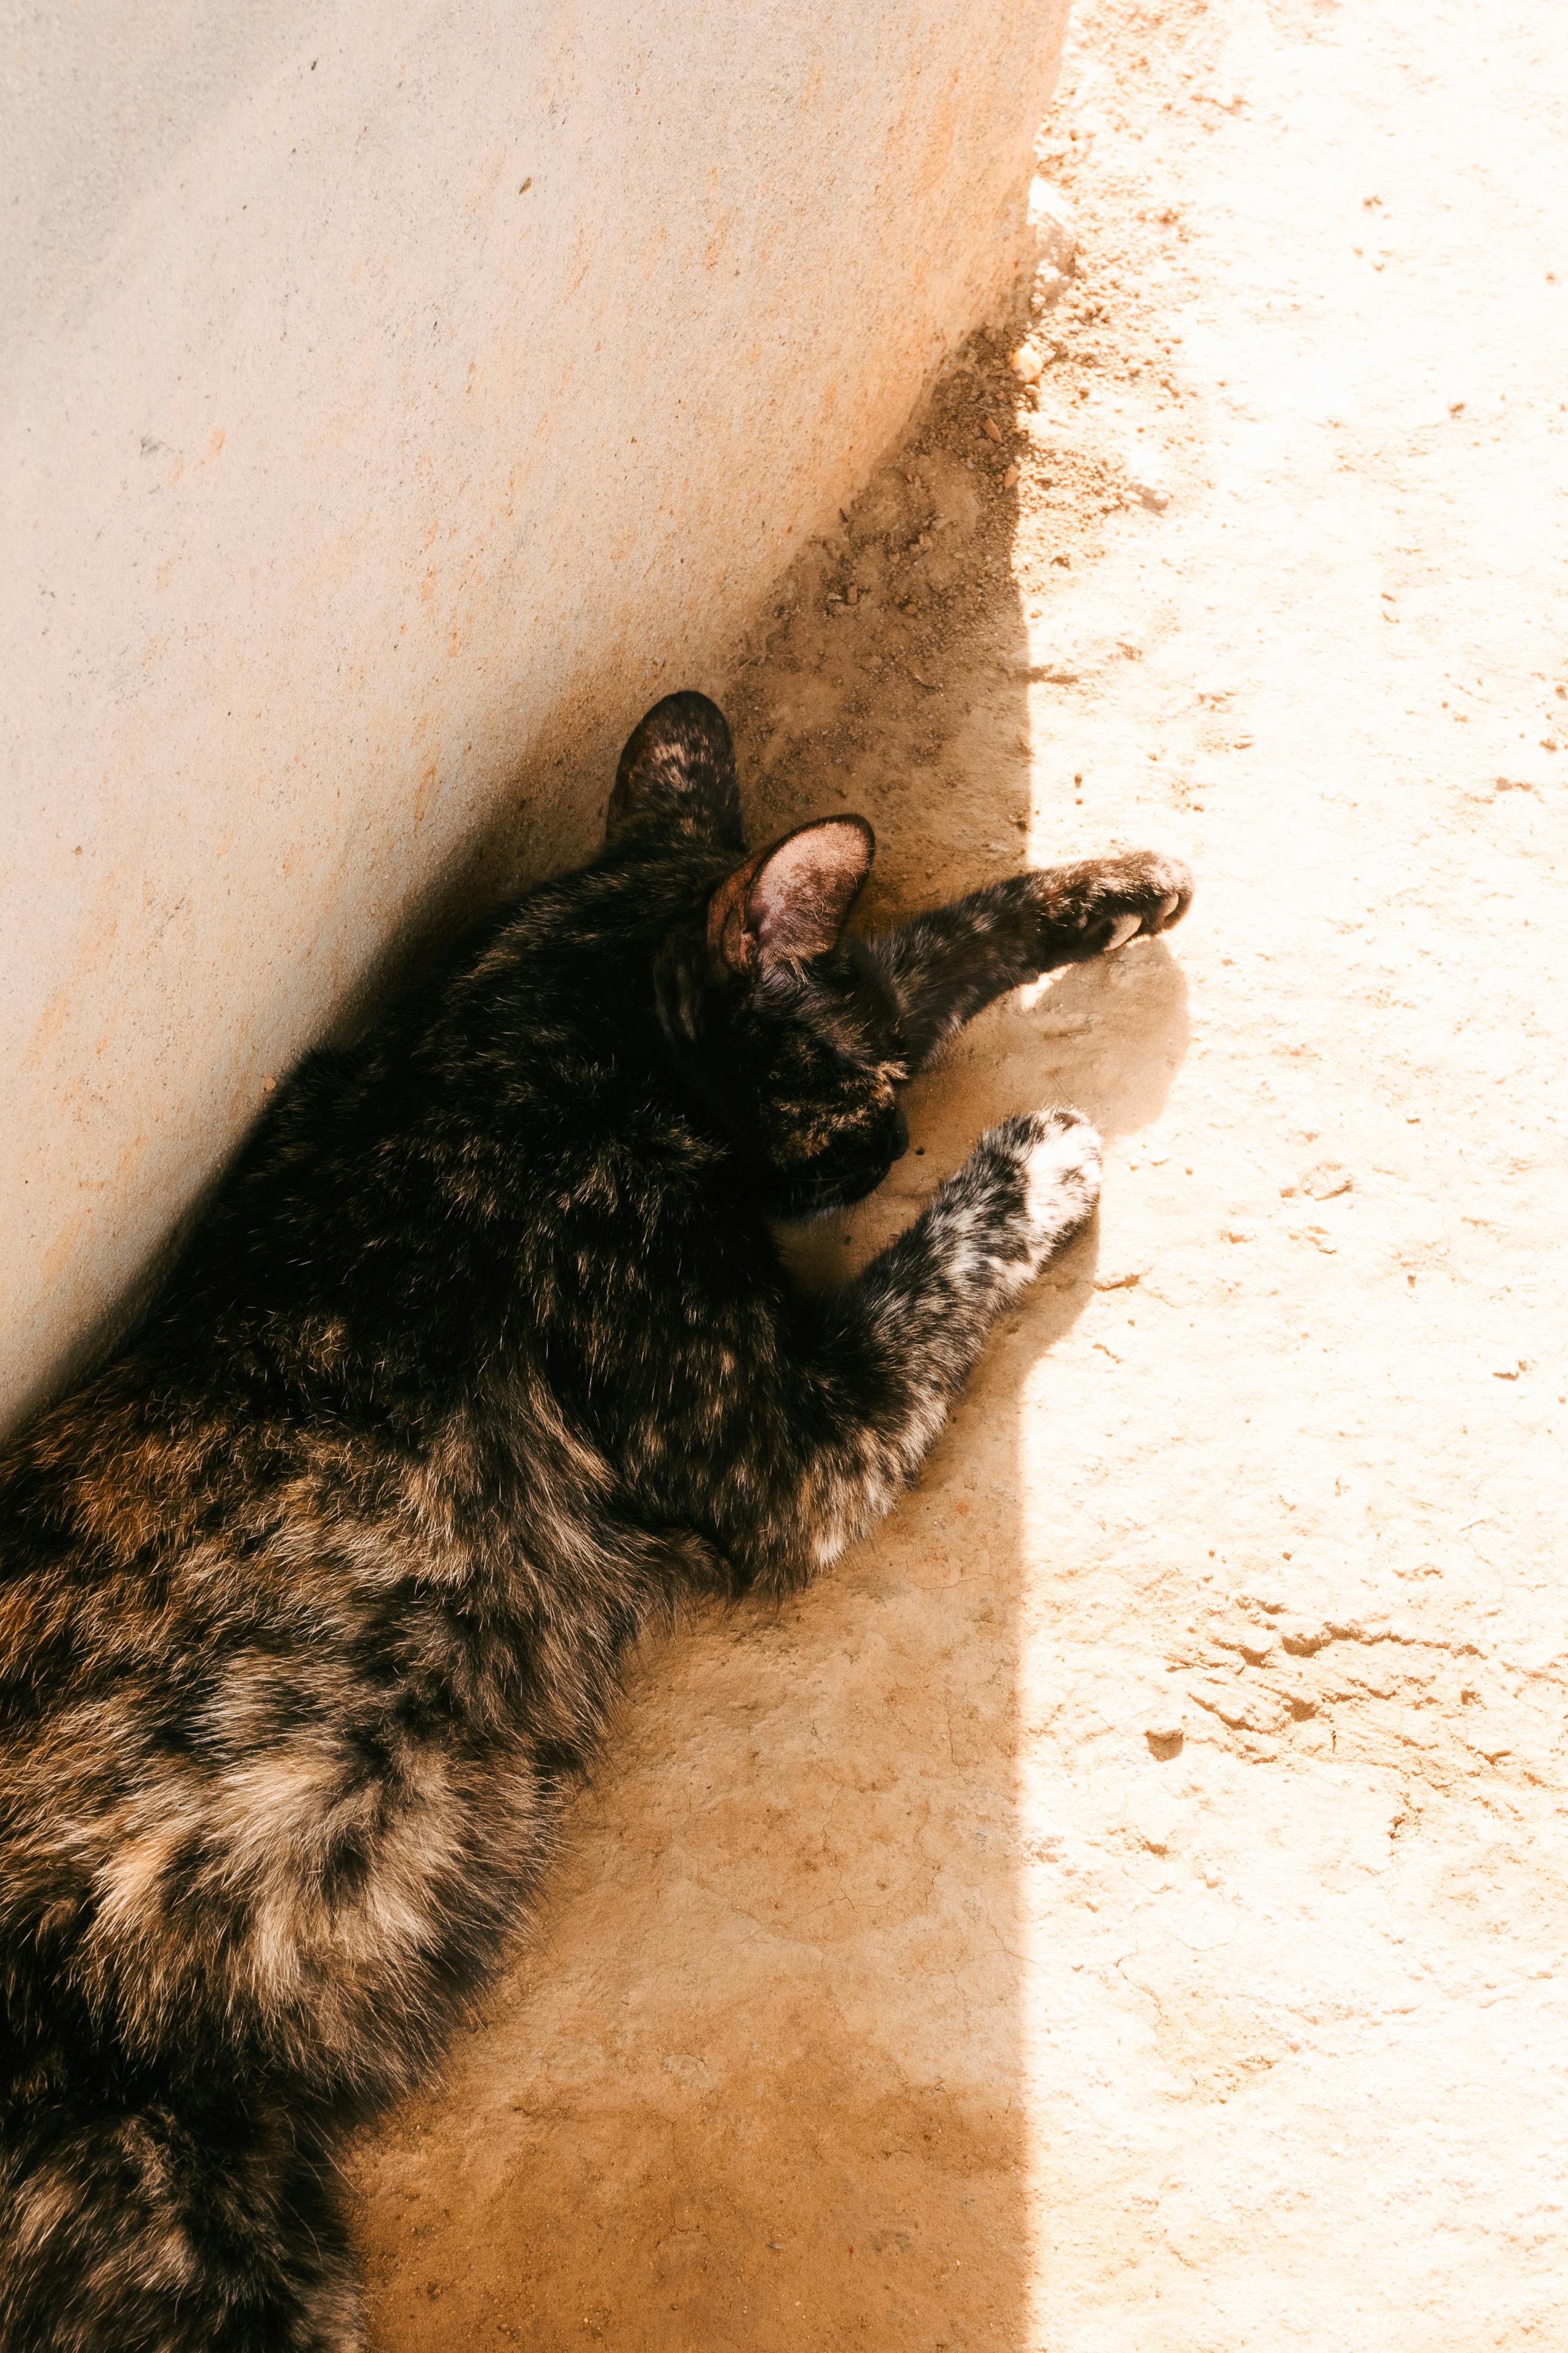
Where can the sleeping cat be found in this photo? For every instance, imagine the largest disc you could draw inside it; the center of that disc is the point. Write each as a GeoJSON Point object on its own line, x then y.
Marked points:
{"type": "Point", "coordinates": [314, 1598]}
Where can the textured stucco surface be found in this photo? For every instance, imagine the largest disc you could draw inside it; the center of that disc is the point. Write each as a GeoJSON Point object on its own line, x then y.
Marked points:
{"type": "Point", "coordinates": [397, 398]}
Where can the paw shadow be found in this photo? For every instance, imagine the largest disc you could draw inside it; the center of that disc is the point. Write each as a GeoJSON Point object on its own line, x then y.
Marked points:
{"type": "Point", "coordinates": [1116, 1033]}
{"type": "Point", "coordinates": [1106, 1037]}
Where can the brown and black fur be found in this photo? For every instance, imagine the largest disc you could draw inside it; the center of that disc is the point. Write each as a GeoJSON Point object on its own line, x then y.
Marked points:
{"type": "Point", "coordinates": [313, 1599]}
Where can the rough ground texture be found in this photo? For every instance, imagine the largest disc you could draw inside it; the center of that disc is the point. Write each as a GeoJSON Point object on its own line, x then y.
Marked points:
{"type": "Point", "coordinates": [1122, 1911]}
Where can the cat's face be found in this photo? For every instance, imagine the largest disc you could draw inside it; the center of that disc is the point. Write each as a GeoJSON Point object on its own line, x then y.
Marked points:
{"type": "Point", "coordinates": [808, 1061]}
{"type": "Point", "coordinates": [780, 1022]}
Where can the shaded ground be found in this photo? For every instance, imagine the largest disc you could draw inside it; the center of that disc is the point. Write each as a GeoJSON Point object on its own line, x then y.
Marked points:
{"type": "Point", "coordinates": [1123, 1912]}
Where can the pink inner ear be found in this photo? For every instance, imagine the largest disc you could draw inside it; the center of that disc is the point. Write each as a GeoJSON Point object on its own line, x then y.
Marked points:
{"type": "Point", "coordinates": [801, 899]}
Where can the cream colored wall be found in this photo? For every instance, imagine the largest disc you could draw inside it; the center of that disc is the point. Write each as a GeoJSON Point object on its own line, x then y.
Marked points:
{"type": "Point", "coordinates": [398, 398]}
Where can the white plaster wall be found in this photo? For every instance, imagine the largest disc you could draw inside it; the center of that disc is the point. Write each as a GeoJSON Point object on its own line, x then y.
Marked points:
{"type": "Point", "coordinates": [398, 397]}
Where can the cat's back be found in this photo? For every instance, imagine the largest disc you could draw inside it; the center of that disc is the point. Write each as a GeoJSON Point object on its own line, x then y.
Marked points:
{"type": "Point", "coordinates": [345, 1385]}
{"type": "Point", "coordinates": [341, 1413]}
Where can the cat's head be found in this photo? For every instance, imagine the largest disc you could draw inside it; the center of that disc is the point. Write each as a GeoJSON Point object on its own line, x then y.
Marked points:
{"type": "Point", "coordinates": [780, 1019]}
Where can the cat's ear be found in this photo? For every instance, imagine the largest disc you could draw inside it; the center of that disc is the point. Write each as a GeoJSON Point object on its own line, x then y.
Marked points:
{"type": "Point", "coordinates": [676, 776]}
{"type": "Point", "coordinates": [792, 900]}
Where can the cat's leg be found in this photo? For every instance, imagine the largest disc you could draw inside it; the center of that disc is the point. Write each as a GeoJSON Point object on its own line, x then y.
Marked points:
{"type": "Point", "coordinates": [831, 1439]}
{"type": "Point", "coordinates": [947, 965]}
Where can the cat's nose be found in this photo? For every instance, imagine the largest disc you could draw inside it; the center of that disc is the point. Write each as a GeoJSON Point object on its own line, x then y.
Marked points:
{"type": "Point", "coordinates": [901, 1132]}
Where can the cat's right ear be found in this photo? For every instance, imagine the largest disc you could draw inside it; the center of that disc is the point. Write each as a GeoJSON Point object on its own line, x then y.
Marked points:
{"type": "Point", "coordinates": [792, 900]}
{"type": "Point", "coordinates": [677, 776]}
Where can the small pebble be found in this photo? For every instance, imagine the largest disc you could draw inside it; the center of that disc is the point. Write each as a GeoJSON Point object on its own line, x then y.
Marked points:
{"type": "Point", "coordinates": [992, 428]}
{"type": "Point", "coordinates": [1141, 467]}
{"type": "Point", "coordinates": [1328, 1180]}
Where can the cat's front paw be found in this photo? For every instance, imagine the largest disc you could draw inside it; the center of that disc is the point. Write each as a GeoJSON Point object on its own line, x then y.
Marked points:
{"type": "Point", "coordinates": [1096, 907]}
{"type": "Point", "coordinates": [1045, 1182]}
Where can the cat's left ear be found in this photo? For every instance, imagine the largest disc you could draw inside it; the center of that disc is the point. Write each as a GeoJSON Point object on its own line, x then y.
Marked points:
{"type": "Point", "coordinates": [676, 776]}
{"type": "Point", "coordinates": [793, 900]}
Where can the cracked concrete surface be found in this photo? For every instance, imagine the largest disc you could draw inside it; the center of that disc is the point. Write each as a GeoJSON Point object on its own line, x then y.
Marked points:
{"type": "Point", "coordinates": [1122, 1910]}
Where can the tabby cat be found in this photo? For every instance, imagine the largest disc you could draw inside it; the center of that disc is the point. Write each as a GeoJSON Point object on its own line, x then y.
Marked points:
{"type": "Point", "coordinates": [315, 1595]}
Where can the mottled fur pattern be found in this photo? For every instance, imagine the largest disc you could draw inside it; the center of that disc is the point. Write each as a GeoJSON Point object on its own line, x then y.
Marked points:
{"type": "Point", "coordinates": [314, 1598]}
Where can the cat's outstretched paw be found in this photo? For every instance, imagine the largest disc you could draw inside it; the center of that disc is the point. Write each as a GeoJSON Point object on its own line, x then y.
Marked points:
{"type": "Point", "coordinates": [1046, 1182]}
{"type": "Point", "coordinates": [1094, 908]}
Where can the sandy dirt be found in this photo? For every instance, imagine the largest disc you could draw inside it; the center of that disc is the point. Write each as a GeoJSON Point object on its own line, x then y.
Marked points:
{"type": "Point", "coordinates": [1124, 1909]}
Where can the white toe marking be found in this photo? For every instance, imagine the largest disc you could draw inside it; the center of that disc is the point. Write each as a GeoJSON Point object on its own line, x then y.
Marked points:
{"type": "Point", "coordinates": [1061, 1182]}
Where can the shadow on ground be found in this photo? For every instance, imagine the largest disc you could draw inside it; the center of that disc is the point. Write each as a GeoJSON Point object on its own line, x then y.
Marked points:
{"type": "Point", "coordinates": [757, 2079]}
